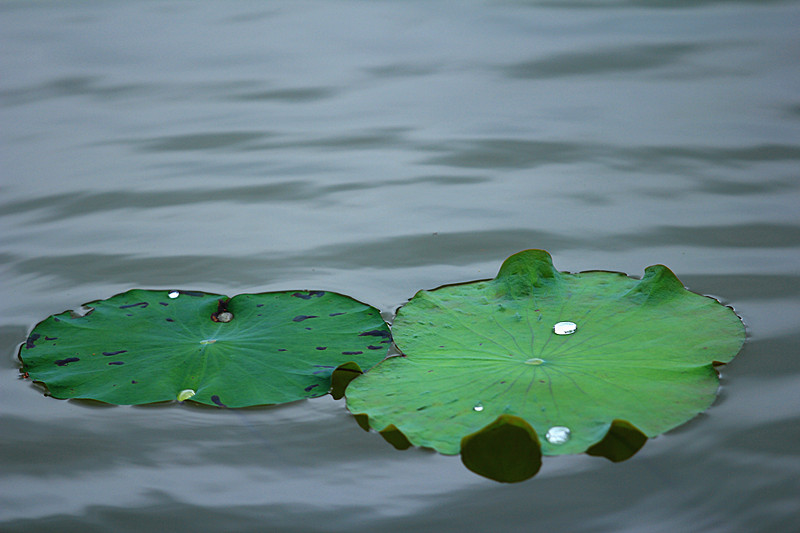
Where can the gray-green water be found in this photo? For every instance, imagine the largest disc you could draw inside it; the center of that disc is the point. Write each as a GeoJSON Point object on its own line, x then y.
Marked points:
{"type": "Point", "coordinates": [376, 148]}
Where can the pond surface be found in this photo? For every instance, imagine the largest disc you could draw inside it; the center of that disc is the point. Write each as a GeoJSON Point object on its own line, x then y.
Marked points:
{"type": "Point", "coordinates": [374, 149]}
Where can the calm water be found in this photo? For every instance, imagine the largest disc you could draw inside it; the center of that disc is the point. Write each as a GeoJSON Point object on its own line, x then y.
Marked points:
{"type": "Point", "coordinates": [376, 148]}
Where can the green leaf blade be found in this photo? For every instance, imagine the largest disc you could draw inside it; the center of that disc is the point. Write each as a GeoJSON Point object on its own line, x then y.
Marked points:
{"type": "Point", "coordinates": [642, 353]}
{"type": "Point", "coordinates": [145, 346]}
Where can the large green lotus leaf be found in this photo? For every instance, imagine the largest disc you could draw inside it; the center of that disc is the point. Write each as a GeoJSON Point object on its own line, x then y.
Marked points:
{"type": "Point", "coordinates": [146, 346]}
{"type": "Point", "coordinates": [641, 357]}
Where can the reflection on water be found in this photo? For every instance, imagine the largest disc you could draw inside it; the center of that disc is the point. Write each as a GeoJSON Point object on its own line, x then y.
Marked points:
{"type": "Point", "coordinates": [376, 149]}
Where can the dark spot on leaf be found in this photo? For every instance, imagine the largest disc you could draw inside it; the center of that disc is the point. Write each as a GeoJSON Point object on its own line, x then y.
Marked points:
{"type": "Point", "coordinates": [336, 314]}
{"type": "Point", "coordinates": [29, 344]}
{"type": "Point", "coordinates": [169, 319]}
{"type": "Point", "coordinates": [300, 318]}
{"type": "Point", "coordinates": [281, 349]}
{"type": "Point", "coordinates": [309, 295]}
{"type": "Point", "coordinates": [125, 315]}
{"type": "Point", "coordinates": [311, 387]}
{"type": "Point", "coordinates": [140, 304]}
{"type": "Point", "coordinates": [370, 347]}
{"type": "Point", "coordinates": [375, 333]}
{"type": "Point", "coordinates": [352, 353]}
{"type": "Point", "coordinates": [422, 408]}
{"type": "Point", "coordinates": [134, 382]}
{"type": "Point", "coordinates": [322, 347]}
{"type": "Point", "coordinates": [217, 401]}
{"type": "Point", "coordinates": [116, 363]}
{"type": "Point", "coordinates": [50, 338]}
{"type": "Point", "coordinates": [309, 329]}
{"type": "Point", "coordinates": [56, 319]}
{"type": "Point", "coordinates": [222, 307]}
{"type": "Point", "coordinates": [68, 360]}
{"type": "Point", "coordinates": [259, 305]}
{"type": "Point", "coordinates": [115, 353]}
{"type": "Point", "coordinates": [163, 303]}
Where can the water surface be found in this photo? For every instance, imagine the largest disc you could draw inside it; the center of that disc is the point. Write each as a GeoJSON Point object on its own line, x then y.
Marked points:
{"type": "Point", "coordinates": [374, 149]}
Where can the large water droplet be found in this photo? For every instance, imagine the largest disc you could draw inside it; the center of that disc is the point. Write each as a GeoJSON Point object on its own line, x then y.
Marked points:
{"type": "Point", "coordinates": [534, 361]}
{"type": "Point", "coordinates": [174, 294]}
{"type": "Point", "coordinates": [478, 407]}
{"type": "Point", "coordinates": [557, 435]}
{"type": "Point", "coordinates": [565, 328]}
{"type": "Point", "coordinates": [185, 394]}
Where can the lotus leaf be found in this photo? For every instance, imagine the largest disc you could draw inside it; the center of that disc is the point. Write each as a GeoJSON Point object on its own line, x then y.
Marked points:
{"type": "Point", "coordinates": [593, 361]}
{"type": "Point", "coordinates": [146, 346]}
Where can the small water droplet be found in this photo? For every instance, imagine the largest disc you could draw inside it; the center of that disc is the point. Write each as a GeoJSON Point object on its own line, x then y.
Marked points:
{"type": "Point", "coordinates": [557, 435]}
{"type": "Point", "coordinates": [174, 294]}
{"type": "Point", "coordinates": [225, 316]}
{"type": "Point", "coordinates": [208, 341]}
{"type": "Point", "coordinates": [185, 394]}
{"type": "Point", "coordinates": [478, 407]}
{"type": "Point", "coordinates": [534, 361]}
{"type": "Point", "coordinates": [565, 328]}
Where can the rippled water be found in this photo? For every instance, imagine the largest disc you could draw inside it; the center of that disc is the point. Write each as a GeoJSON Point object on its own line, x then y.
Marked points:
{"type": "Point", "coordinates": [376, 148]}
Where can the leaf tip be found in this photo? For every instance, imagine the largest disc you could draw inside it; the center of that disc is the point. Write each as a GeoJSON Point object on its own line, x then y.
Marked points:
{"type": "Point", "coordinates": [506, 450]}
{"type": "Point", "coordinates": [620, 443]}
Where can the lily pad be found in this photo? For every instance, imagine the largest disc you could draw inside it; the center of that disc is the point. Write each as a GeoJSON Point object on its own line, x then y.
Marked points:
{"type": "Point", "coordinates": [593, 361]}
{"type": "Point", "coordinates": [145, 346]}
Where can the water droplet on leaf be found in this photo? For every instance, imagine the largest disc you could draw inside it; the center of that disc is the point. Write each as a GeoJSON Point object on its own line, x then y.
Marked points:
{"type": "Point", "coordinates": [185, 394]}
{"type": "Point", "coordinates": [174, 294]}
{"type": "Point", "coordinates": [565, 328]}
{"type": "Point", "coordinates": [478, 407]}
{"type": "Point", "coordinates": [557, 435]}
{"type": "Point", "coordinates": [534, 361]}
{"type": "Point", "coordinates": [224, 317]}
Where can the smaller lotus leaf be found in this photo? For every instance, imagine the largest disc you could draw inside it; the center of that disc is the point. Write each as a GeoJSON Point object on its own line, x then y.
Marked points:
{"type": "Point", "coordinates": [146, 346]}
{"type": "Point", "coordinates": [592, 361]}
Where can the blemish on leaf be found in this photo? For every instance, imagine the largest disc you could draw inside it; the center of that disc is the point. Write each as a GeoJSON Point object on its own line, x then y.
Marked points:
{"type": "Point", "coordinates": [371, 347]}
{"type": "Point", "coordinates": [300, 318]}
{"type": "Point", "coordinates": [352, 353]}
{"type": "Point", "coordinates": [163, 303]}
{"type": "Point", "coordinates": [322, 347]}
{"type": "Point", "coordinates": [116, 363]}
{"type": "Point", "coordinates": [68, 360]}
{"type": "Point", "coordinates": [115, 353]}
{"type": "Point", "coordinates": [134, 382]}
{"type": "Point", "coordinates": [139, 304]}
{"type": "Point", "coordinates": [309, 295]}
{"type": "Point", "coordinates": [50, 338]}
{"type": "Point", "coordinates": [375, 333]}
{"type": "Point", "coordinates": [311, 387]}
{"type": "Point", "coordinates": [29, 344]}
{"type": "Point", "coordinates": [336, 314]}
{"type": "Point", "coordinates": [170, 319]}
{"type": "Point", "coordinates": [217, 401]}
